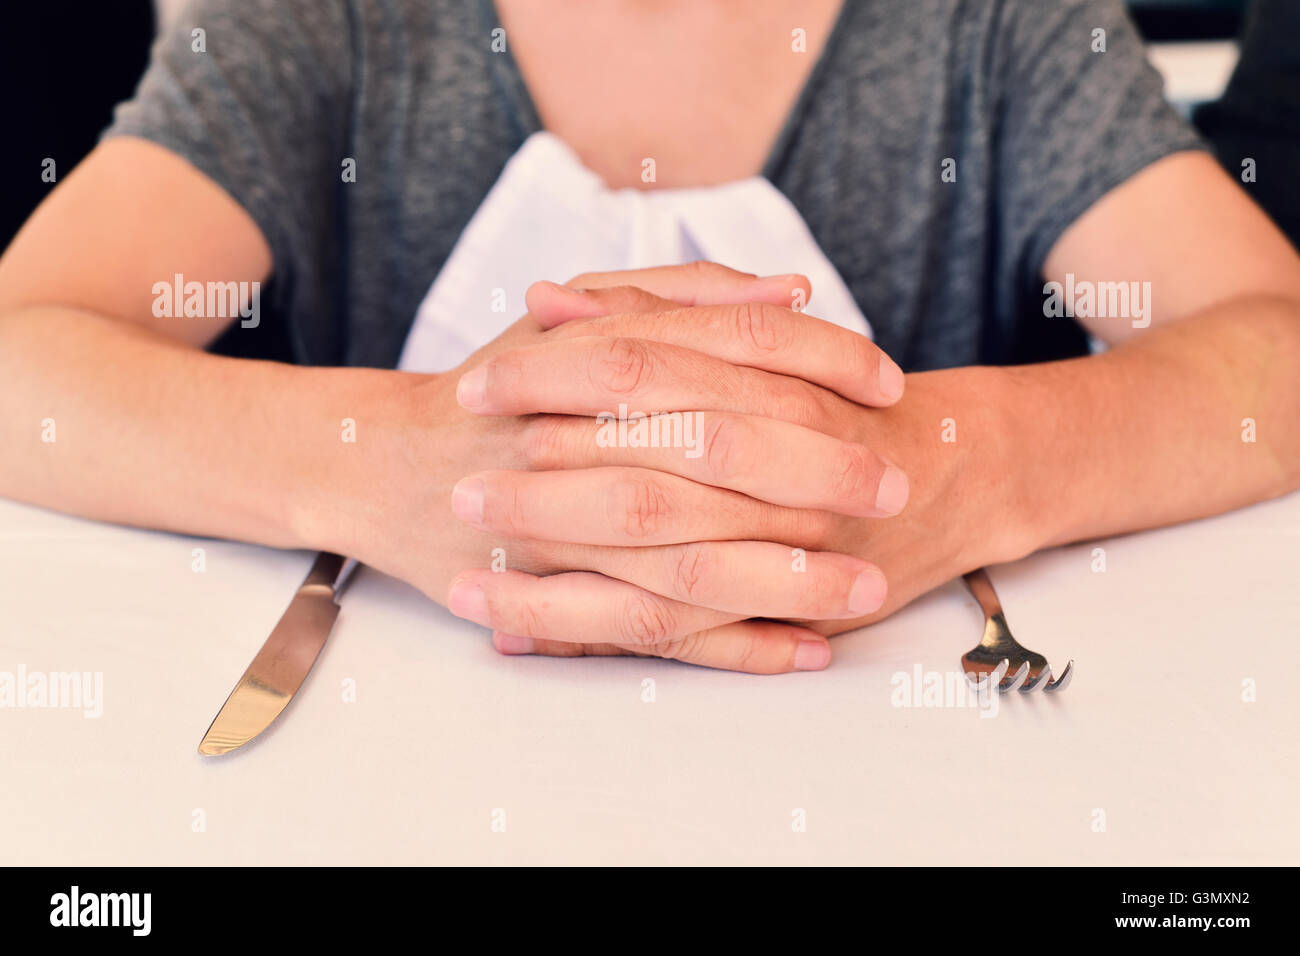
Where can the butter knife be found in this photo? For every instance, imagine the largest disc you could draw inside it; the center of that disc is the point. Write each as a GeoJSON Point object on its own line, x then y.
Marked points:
{"type": "Point", "coordinates": [284, 661]}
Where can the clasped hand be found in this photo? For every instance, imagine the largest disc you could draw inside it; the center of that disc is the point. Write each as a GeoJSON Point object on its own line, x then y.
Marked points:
{"type": "Point", "coordinates": [744, 538]}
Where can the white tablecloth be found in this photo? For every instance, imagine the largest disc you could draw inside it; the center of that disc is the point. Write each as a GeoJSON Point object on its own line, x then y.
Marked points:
{"type": "Point", "coordinates": [453, 754]}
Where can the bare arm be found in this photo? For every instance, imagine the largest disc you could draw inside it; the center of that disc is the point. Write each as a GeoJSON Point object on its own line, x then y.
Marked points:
{"type": "Point", "coordinates": [1147, 433]}
{"type": "Point", "coordinates": [1153, 430]}
{"type": "Point", "coordinates": [147, 428]}
{"type": "Point", "coordinates": [1156, 431]}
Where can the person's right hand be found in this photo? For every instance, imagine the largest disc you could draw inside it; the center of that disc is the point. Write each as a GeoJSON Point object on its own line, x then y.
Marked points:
{"type": "Point", "coordinates": [742, 371]}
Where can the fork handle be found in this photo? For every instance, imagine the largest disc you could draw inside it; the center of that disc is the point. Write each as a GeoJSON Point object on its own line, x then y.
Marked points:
{"type": "Point", "coordinates": [981, 588]}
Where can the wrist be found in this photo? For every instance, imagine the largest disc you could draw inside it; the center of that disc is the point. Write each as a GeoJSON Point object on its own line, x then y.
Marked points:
{"type": "Point", "coordinates": [350, 457]}
{"type": "Point", "coordinates": [981, 487]}
{"type": "Point", "coordinates": [1026, 505]}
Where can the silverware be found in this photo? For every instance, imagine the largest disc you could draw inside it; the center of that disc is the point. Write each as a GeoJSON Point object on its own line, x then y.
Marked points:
{"type": "Point", "coordinates": [997, 652]}
{"type": "Point", "coordinates": [284, 661]}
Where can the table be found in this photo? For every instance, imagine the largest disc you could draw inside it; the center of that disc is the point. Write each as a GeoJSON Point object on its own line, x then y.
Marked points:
{"type": "Point", "coordinates": [449, 753]}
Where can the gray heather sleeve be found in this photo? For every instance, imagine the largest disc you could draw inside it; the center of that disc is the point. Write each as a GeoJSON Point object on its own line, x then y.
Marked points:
{"type": "Point", "coordinates": [1073, 123]}
{"type": "Point", "coordinates": [259, 102]}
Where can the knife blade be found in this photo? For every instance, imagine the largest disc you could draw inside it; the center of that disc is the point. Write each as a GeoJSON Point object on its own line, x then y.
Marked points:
{"type": "Point", "coordinates": [284, 661]}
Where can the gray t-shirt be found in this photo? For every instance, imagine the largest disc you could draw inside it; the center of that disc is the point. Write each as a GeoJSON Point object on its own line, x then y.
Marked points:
{"type": "Point", "coordinates": [1039, 125]}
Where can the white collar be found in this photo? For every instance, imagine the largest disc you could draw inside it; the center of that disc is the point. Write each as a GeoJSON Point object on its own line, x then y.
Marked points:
{"type": "Point", "coordinates": [549, 217]}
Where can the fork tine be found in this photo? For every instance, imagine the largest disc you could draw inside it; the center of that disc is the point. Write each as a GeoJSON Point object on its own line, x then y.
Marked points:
{"type": "Point", "coordinates": [995, 676]}
{"type": "Point", "coordinates": [1062, 682]}
{"type": "Point", "coordinates": [1015, 680]}
{"type": "Point", "coordinates": [1037, 681]}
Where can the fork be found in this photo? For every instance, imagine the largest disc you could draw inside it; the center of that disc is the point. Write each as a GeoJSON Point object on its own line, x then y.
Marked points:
{"type": "Point", "coordinates": [997, 652]}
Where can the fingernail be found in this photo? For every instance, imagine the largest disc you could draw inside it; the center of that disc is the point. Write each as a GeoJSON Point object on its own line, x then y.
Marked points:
{"type": "Point", "coordinates": [891, 380]}
{"type": "Point", "coordinates": [512, 643]}
{"type": "Point", "coordinates": [472, 387]}
{"type": "Point", "coordinates": [468, 601]}
{"type": "Point", "coordinates": [867, 593]}
{"type": "Point", "coordinates": [812, 655]}
{"type": "Point", "coordinates": [467, 500]}
{"type": "Point", "coordinates": [891, 494]}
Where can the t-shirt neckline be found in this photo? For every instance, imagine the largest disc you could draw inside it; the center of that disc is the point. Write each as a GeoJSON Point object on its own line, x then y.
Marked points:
{"type": "Point", "coordinates": [527, 120]}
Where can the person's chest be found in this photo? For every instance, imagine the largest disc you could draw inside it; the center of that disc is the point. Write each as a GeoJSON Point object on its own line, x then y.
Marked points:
{"type": "Point", "coordinates": [667, 95]}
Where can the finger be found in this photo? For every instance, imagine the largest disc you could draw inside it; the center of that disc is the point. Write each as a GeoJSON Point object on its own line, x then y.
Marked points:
{"type": "Point", "coordinates": [728, 344]}
{"type": "Point", "coordinates": [694, 561]}
{"type": "Point", "coordinates": [759, 330]}
{"type": "Point", "coordinates": [551, 304]}
{"type": "Point", "coordinates": [575, 607]}
{"type": "Point", "coordinates": [614, 507]}
{"type": "Point", "coordinates": [617, 507]}
{"type": "Point", "coordinates": [697, 283]}
{"type": "Point", "coordinates": [733, 451]}
{"type": "Point", "coordinates": [517, 644]}
{"type": "Point", "coordinates": [753, 578]}
{"type": "Point", "coordinates": [595, 375]}
{"type": "Point", "coordinates": [754, 647]}
{"type": "Point", "coordinates": [763, 335]}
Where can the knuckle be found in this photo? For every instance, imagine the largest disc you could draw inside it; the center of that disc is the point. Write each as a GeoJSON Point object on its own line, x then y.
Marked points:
{"type": "Point", "coordinates": [691, 568]}
{"type": "Point", "coordinates": [684, 648]}
{"type": "Point", "coordinates": [646, 620]}
{"type": "Point", "coordinates": [528, 622]}
{"type": "Point", "coordinates": [620, 365]}
{"type": "Point", "coordinates": [744, 650]}
{"type": "Point", "coordinates": [505, 510]}
{"type": "Point", "coordinates": [723, 448]}
{"type": "Point", "coordinates": [638, 506]}
{"type": "Point", "coordinates": [617, 302]}
{"type": "Point", "coordinates": [759, 327]}
{"type": "Point", "coordinates": [852, 473]}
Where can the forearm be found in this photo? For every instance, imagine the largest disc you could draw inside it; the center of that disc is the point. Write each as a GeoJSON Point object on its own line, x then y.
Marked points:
{"type": "Point", "coordinates": [111, 421]}
{"type": "Point", "coordinates": [1153, 431]}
